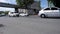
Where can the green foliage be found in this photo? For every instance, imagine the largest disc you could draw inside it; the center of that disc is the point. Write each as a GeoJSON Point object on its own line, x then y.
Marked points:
{"type": "Point", "coordinates": [55, 2]}
{"type": "Point", "coordinates": [6, 12]}
{"type": "Point", "coordinates": [1, 12]}
{"type": "Point", "coordinates": [50, 2]}
{"type": "Point", "coordinates": [24, 3]}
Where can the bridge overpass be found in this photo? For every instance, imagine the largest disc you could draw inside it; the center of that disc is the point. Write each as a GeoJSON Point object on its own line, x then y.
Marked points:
{"type": "Point", "coordinates": [9, 6]}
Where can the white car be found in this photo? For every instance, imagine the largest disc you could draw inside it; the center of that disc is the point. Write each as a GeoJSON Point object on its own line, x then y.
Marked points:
{"type": "Point", "coordinates": [23, 14]}
{"type": "Point", "coordinates": [49, 12]}
{"type": "Point", "coordinates": [13, 14]}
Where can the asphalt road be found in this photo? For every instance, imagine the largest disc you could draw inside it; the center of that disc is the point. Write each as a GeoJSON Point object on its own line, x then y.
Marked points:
{"type": "Point", "coordinates": [29, 25]}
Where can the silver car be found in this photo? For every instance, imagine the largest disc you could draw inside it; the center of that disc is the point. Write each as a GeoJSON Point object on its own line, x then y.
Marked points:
{"type": "Point", "coordinates": [49, 12]}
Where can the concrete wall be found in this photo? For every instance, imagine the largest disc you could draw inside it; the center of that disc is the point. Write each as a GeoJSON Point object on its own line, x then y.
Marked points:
{"type": "Point", "coordinates": [23, 10]}
{"type": "Point", "coordinates": [29, 11]}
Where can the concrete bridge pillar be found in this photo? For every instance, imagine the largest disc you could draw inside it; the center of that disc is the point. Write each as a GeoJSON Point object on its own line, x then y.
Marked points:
{"type": "Point", "coordinates": [16, 10]}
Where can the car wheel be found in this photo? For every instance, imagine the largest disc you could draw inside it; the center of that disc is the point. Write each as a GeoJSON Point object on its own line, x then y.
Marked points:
{"type": "Point", "coordinates": [17, 15]}
{"type": "Point", "coordinates": [42, 15]}
{"type": "Point", "coordinates": [27, 15]}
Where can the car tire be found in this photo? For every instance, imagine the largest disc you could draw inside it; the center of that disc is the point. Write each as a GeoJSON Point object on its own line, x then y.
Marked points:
{"type": "Point", "coordinates": [42, 15]}
{"type": "Point", "coordinates": [27, 15]}
{"type": "Point", "coordinates": [17, 15]}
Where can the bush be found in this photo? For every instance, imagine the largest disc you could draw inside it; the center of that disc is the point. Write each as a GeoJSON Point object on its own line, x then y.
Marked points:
{"type": "Point", "coordinates": [6, 12]}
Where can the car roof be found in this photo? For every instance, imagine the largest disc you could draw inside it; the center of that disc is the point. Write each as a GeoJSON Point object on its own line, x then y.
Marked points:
{"type": "Point", "coordinates": [51, 7]}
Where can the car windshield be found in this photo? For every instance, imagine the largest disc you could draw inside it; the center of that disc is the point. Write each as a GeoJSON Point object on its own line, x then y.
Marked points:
{"type": "Point", "coordinates": [22, 12]}
{"type": "Point", "coordinates": [54, 9]}
{"type": "Point", "coordinates": [47, 9]}
{"type": "Point", "coordinates": [13, 12]}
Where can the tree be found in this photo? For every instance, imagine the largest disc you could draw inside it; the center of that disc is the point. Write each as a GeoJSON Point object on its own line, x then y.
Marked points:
{"type": "Point", "coordinates": [6, 12]}
{"type": "Point", "coordinates": [24, 3]}
{"type": "Point", "coordinates": [55, 2]}
{"type": "Point", "coordinates": [50, 2]}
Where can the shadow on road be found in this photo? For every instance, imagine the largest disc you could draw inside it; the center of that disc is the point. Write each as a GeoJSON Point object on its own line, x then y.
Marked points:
{"type": "Point", "coordinates": [1, 25]}
{"type": "Point", "coordinates": [52, 18]}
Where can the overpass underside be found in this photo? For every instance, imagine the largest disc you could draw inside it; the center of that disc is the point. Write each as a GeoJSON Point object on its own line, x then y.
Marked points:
{"type": "Point", "coordinates": [10, 6]}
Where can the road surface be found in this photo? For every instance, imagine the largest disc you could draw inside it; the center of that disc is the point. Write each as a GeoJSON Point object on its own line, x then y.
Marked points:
{"type": "Point", "coordinates": [29, 25]}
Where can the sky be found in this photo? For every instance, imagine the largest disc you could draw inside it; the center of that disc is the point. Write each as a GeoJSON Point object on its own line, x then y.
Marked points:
{"type": "Point", "coordinates": [43, 4]}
